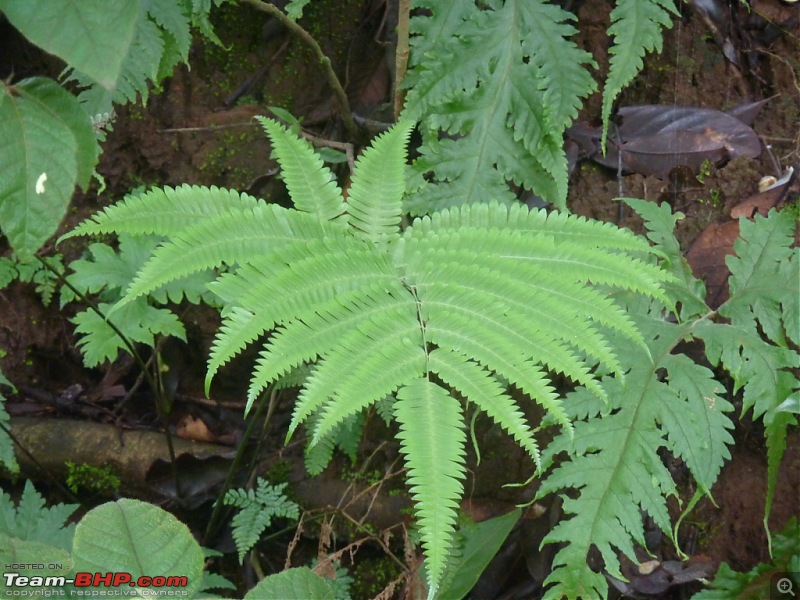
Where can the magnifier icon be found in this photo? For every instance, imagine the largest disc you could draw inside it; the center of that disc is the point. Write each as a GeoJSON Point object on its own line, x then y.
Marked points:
{"type": "Point", "coordinates": [785, 586]}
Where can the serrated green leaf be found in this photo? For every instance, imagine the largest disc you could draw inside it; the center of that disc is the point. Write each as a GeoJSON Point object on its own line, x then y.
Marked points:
{"type": "Point", "coordinates": [636, 27]}
{"type": "Point", "coordinates": [140, 539]}
{"type": "Point", "coordinates": [311, 185]}
{"type": "Point", "coordinates": [300, 583]}
{"type": "Point", "coordinates": [614, 463]}
{"type": "Point", "coordinates": [32, 521]}
{"type": "Point", "coordinates": [374, 201]}
{"type": "Point", "coordinates": [137, 320]}
{"type": "Point", "coordinates": [517, 84]}
{"type": "Point", "coordinates": [764, 277]}
{"type": "Point", "coordinates": [257, 509]}
{"type": "Point", "coordinates": [432, 441]}
{"type": "Point", "coordinates": [93, 36]}
{"type": "Point", "coordinates": [49, 147]}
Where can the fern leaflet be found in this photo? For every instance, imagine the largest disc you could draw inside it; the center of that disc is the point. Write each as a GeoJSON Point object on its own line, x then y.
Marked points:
{"type": "Point", "coordinates": [636, 28]}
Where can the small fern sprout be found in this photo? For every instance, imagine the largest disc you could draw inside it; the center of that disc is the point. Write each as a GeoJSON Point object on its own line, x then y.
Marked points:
{"type": "Point", "coordinates": [459, 304]}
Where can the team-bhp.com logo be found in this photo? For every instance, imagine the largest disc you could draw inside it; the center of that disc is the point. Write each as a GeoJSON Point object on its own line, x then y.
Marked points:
{"type": "Point", "coordinates": [92, 580]}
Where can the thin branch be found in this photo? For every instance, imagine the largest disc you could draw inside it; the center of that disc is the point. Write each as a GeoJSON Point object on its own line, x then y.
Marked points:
{"type": "Point", "coordinates": [401, 56]}
{"type": "Point", "coordinates": [333, 80]}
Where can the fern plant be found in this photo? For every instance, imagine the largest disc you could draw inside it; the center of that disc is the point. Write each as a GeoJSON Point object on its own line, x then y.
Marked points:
{"type": "Point", "coordinates": [459, 304]}
{"type": "Point", "coordinates": [671, 402]}
{"type": "Point", "coordinates": [499, 112]}
{"type": "Point", "coordinates": [257, 509]}
{"type": "Point", "coordinates": [32, 272]}
{"type": "Point", "coordinates": [32, 522]}
{"type": "Point", "coordinates": [106, 273]}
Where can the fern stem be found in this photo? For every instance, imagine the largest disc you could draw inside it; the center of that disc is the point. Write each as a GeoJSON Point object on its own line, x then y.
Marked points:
{"type": "Point", "coordinates": [333, 80]}
{"type": "Point", "coordinates": [155, 386]}
{"type": "Point", "coordinates": [219, 504]}
{"type": "Point", "coordinates": [421, 321]}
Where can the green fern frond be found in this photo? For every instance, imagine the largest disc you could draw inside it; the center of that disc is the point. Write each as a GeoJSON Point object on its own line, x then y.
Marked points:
{"type": "Point", "coordinates": [374, 200]}
{"type": "Point", "coordinates": [756, 346]}
{"type": "Point", "coordinates": [383, 353]}
{"type": "Point", "coordinates": [174, 19]}
{"type": "Point", "coordinates": [517, 84]}
{"type": "Point", "coordinates": [315, 335]}
{"type": "Point", "coordinates": [233, 237]}
{"type": "Point", "coordinates": [311, 185]}
{"type": "Point", "coordinates": [433, 442]}
{"type": "Point", "coordinates": [764, 278]}
{"type": "Point", "coordinates": [560, 83]}
{"type": "Point", "coordinates": [460, 333]}
{"type": "Point", "coordinates": [474, 295]}
{"type": "Point", "coordinates": [636, 28]}
{"type": "Point", "coordinates": [32, 521]}
{"type": "Point", "coordinates": [296, 277]}
{"type": "Point", "coordinates": [177, 208]}
{"type": "Point", "coordinates": [612, 461]}
{"type": "Point", "coordinates": [614, 464]}
{"type": "Point", "coordinates": [235, 333]}
{"type": "Point", "coordinates": [345, 436]}
{"type": "Point", "coordinates": [562, 227]}
{"type": "Point", "coordinates": [565, 323]}
{"type": "Point", "coordinates": [161, 40]}
{"type": "Point", "coordinates": [257, 509]}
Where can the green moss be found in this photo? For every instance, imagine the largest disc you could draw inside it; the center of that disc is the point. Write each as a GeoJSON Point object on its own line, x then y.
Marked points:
{"type": "Point", "coordinates": [279, 472]}
{"type": "Point", "coordinates": [100, 480]}
{"type": "Point", "coordinates": [372, 575]}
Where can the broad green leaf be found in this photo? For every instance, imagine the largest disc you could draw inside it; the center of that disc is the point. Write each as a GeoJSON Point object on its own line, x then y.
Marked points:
{"type": "Point", "coordinates": [293, 584]}
{"type": "Point", "coordinates": [140, 539]}
{"type": "Point", "coordinates": [93, 36]}
{"type": "Point", "coordinates": [294, 9]}
{"type": "Point", "coordinates": [48, 147]}
{"type": "Point", "coordinates": [480, 542]}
